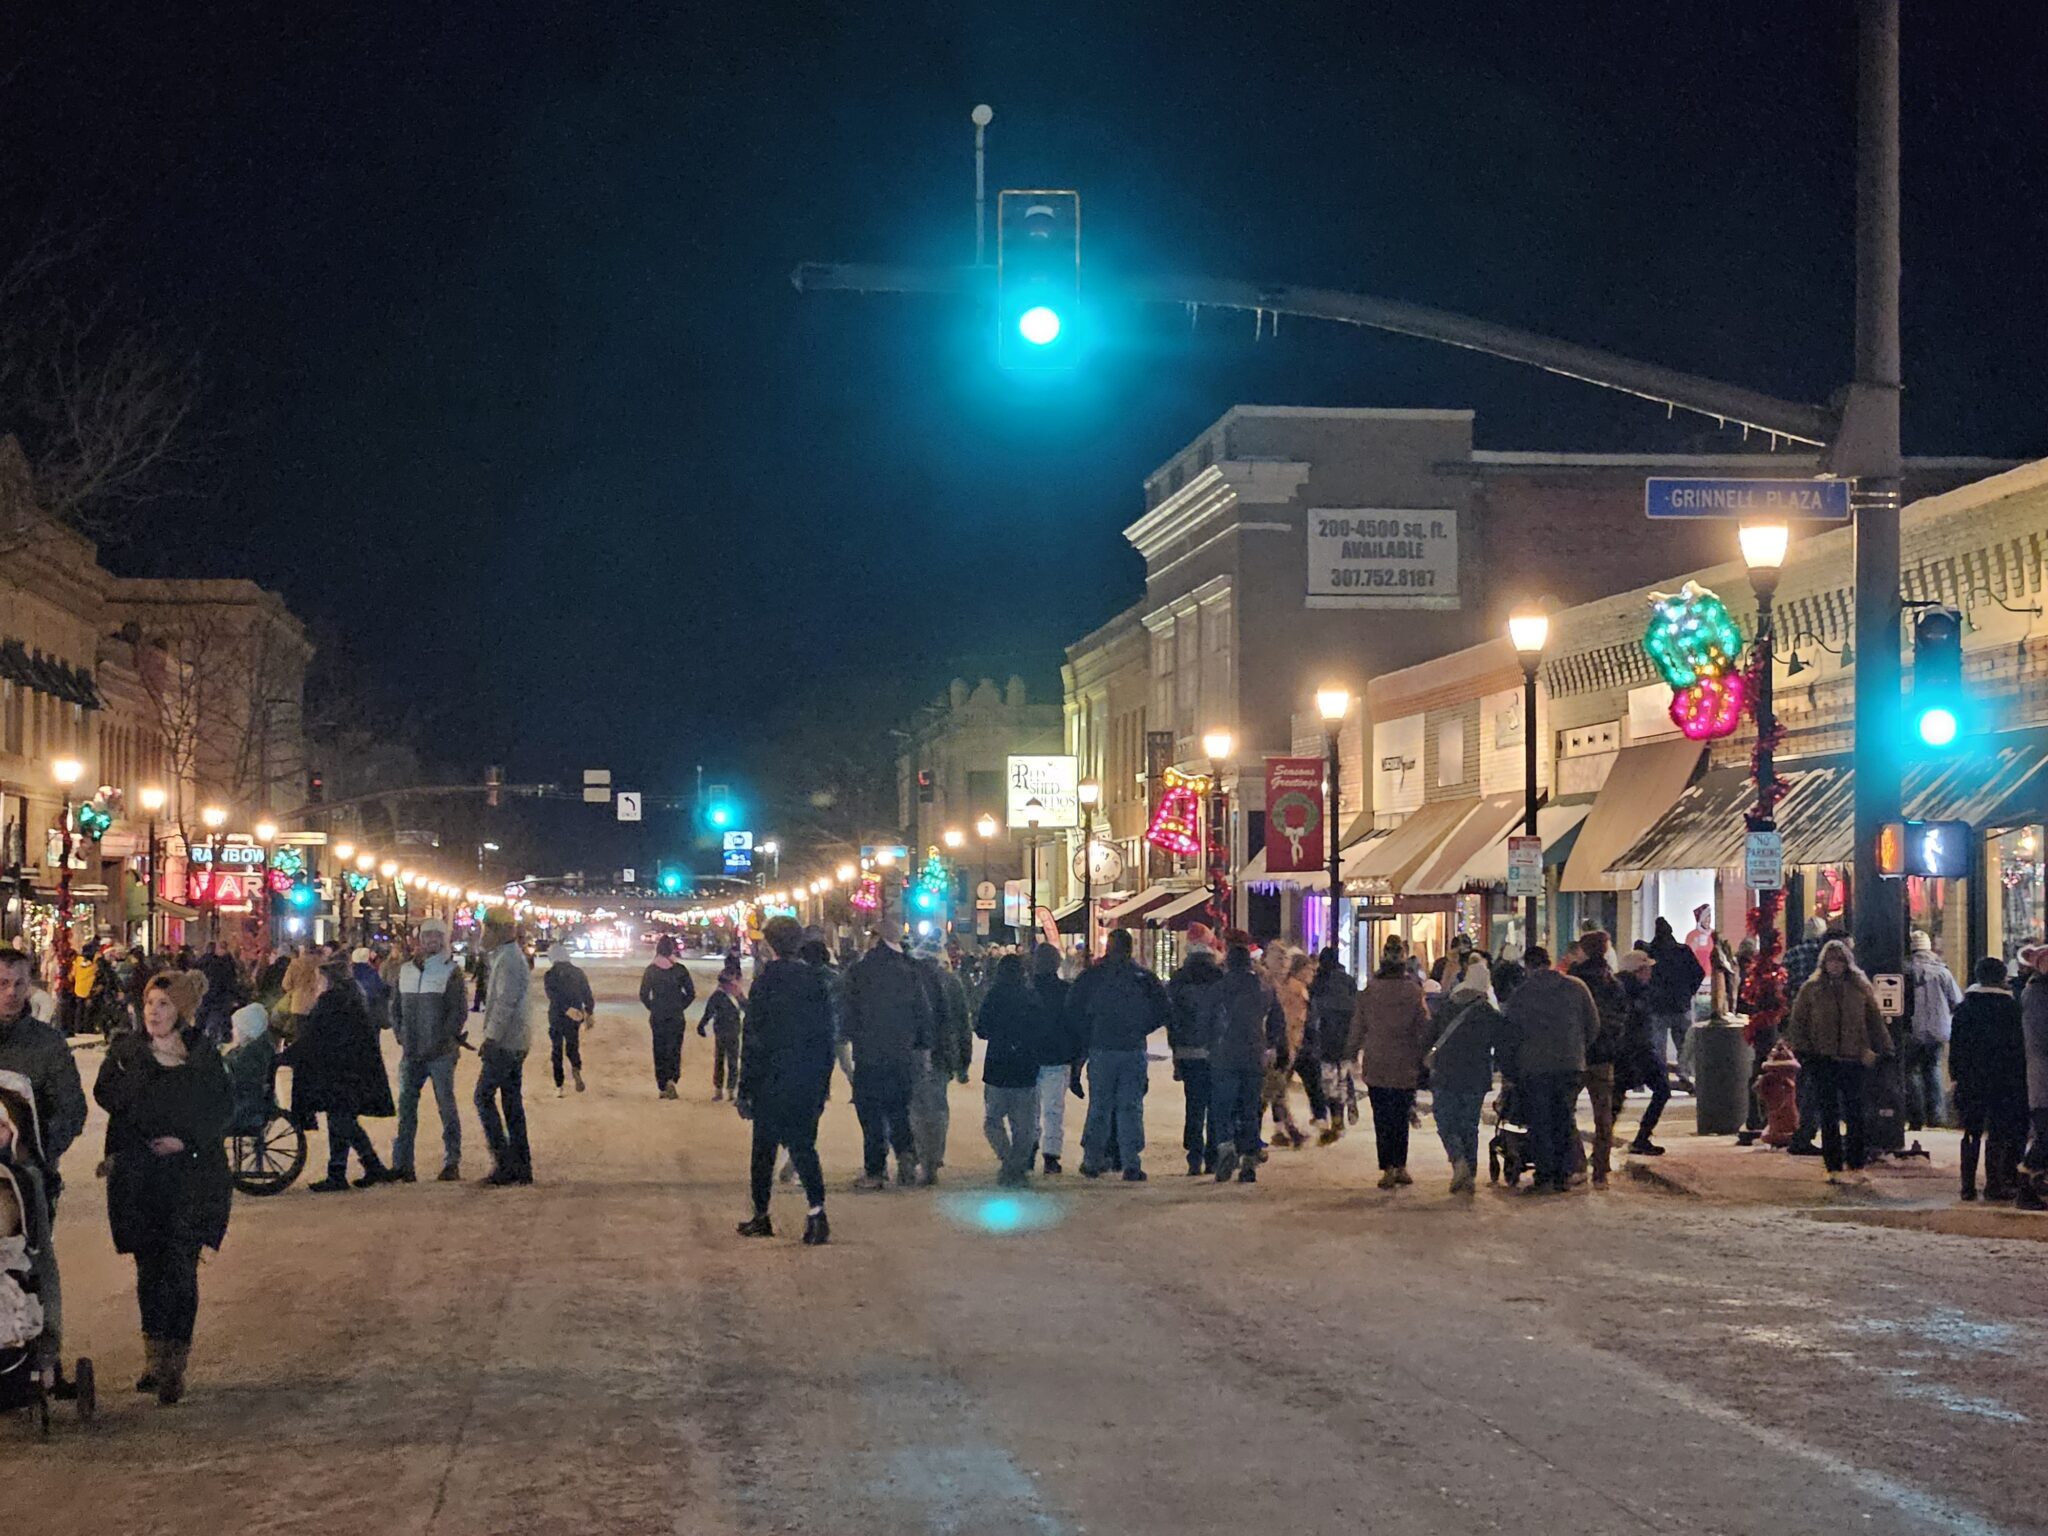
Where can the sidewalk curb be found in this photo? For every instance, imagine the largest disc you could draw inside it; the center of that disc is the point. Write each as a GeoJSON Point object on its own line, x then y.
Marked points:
{"type": "Point", "coordinates": [1644, 1172]}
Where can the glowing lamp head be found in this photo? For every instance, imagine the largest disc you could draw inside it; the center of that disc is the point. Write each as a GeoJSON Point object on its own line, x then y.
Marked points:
{"type": "Point", "coordinates": [985, 826]}
{"type": "Point", "coordinates": [954, 837]}
{"type": "Point", "coordinates": [1937, 726]}
{"type": "Point", "coordinates": [66, 771]}
{"type": "Point", "coordinates": [388, 868]}
{"type": "Point", "coordinates": [152, 799]}
{"type": "Point", "coordinates": [1218, 745]}
{"type": "Point", "coordinates": [1039, 325]}
{"type": "Point", "coordinates": [1529, 632]}
{"type": "Point", "coordinates": [1090, 792]}
{"type": "Point", "coordinates": [1333, 703]}
{"type": "Point", "coordinates": [845, 872]}
{"type": "Point", "coordinates": [214, 817]}
{"type": "Point", "coordinates": [266, 831]}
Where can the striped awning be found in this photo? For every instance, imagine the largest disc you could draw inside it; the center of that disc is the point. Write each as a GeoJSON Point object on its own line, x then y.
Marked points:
{"type": "Point", "coordinates": [1151, 897]}
{"type": "Point", "coordinates": [2002, 781]}
{"type": "Point", "coordinates": [1191, 907]}
{"type": "Point", "coordinates": [1393, 858]}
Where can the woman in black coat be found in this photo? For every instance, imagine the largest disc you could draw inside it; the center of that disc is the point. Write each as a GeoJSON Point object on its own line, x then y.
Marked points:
{"type": "Point", "coordinates": [167, 1100]}
{"type": "Point", "coordinates": [1987, 1059]}
{"type": "Point", "coordinates": [338, 1071]}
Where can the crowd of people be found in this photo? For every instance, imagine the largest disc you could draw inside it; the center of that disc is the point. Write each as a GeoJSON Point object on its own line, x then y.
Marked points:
{"type": "Point", "coordinates": [194, 1041]}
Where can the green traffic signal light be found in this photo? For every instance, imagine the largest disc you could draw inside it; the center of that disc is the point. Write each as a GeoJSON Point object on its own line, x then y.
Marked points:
{"type": "Point", "coordinates": [671, 881]}
{"type": "Point", "coordinates": [720, 815]}
{"type": "Point", "coordinates": [1039, 325]}
{"type": "Point", "coordinates": [1937, 726]}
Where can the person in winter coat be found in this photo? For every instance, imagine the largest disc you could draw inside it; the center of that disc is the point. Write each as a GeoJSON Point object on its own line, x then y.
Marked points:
{"type": "Point", "coordinates": [1022, 1033]}
{"type": "Point", "coordinates": [570, 1006]}
{"type": "Point", "coordinates": [1289, 977]}
{"type": "Point", "coordinates": [1640, 1064]}
{"type": "Point", "coordinates": [167, 1100]}
{"type": "Point", "coordinates": [225, 990]}
{"type": "Point", "coordinates": [1246, 1031]}
{"type": "Point", "coordinates": [38, 1052]}
{"type": "Point", "coordinates": [2034, 1034]}
{"type": "Point", "coordinates": [376, 996]}
{"type": "Point", "coordinates": [1935, 1000]}
{"type": "Point", "coordinates": [723, 1020]}
{"type": "Point", "coordinates": [1060, 1075]}
{"type": "Point", "coordinates": [943, 1063]}
{"type": "Point", "coordinates": [1803, 958]}
{"type": "Point", "coordinates": [785, 1070]}
{"type": "Point", "coordinates": [502, 1056]}
{"type": "Point", "coordinates": [666, 992]}
{"type": "Point", "coordinates": [1675, 977]}
{"type": "Point", "coordinates": [431, 1012]}
{"type": "Point", "coordinates": [1332, 999]}
{"type": "Point", "coordinates": [338, 1071]}
{"type": "Point", "coordinates": [1118, 1003]}
{"type": "Point", "coordinates": [889, 1025]}
{"type": "Point", "coordinates": [1604, 1047]}
{"type": "Point", "coordinates": [1462, 1045]}
{"type": "Point", "coordinates": [1550, 1018]}
{"type": "Point", "coordinates": [1390, 1030]}
{"type": "Point", "coordinates": [1987, 1060]}
{"type": "Point", "coordinates": [1187, 1037]}
{"type": "Point", "coordinates": [1838, 1034]}
{"type": "Point", "coordinates": [251, 1065]}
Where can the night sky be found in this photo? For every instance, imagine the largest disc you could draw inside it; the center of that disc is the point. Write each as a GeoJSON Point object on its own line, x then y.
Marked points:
{"type": "Point", "coordinates": [511, 395]}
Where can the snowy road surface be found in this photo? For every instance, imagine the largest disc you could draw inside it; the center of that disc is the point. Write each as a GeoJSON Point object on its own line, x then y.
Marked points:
{"type": "Point", "coordinates": [600, 1354]}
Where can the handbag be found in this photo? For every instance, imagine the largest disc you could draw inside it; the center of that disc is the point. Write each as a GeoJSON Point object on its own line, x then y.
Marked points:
{"type": "Point", "coordinates": [1429, 1056]}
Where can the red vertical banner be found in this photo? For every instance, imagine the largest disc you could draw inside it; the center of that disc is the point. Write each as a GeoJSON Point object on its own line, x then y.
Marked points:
{"type": "Point", "coordinates": [1295, 838]}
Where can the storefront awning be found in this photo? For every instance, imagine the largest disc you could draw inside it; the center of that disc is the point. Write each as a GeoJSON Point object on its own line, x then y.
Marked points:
{"type": "Point", "coordinates": [1487, 867]}
{"type": "Point", "coordinates": [1443, 872]}
{"type": "Point", "coordinates": [1393, 858]}
{"type": "Point", "coordinates": [1145, 901]}
{"type": "Point", "coordinates": [2001, 781]}
{"type": "Point", "coordinates": [1192, 907]}
{"type": "Point", "coordinates": [1645, 782]}
{"type": "Point", "coordinates": [1071, 918]}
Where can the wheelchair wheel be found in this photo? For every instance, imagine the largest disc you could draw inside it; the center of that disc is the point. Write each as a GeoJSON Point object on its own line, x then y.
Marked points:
{"type": "Point", "coordinates": [88, 1398]}
{"type": "Point", "coordinates": [270, 1160]}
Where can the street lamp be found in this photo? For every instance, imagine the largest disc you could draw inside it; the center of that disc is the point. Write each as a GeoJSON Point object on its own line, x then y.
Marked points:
{"type": "Point", "coordinates": [774, 851]}
{"type": "Point", "coordinates": [985, 829]}
{"type": "Point", "coordinates": [1333, 703]}
{"type": "Point", "coordinates": [845, 873]}
{"type": "Point", "coordinates": [66, 771]}
{"type": "Point", "coordinates": [152, 800]}
{"type": "Point", "coordinates": [1529, 632]}
{"type": "Point", "coordinates": [953, 838]}
{"type": "Point", "coordinates": [266, 834]}
{"type": "Point", "coordinates": [215, 817]}
{"type": "Point", "coordinates": [1219, 745]}
{"type": "Point", "coordinates": [1763, 551]}
{"type": "Point", "coordinates": [1091, 794]}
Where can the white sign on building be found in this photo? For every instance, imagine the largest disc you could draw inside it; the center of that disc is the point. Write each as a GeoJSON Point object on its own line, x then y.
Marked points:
{"type": "Point", "coordinates": [1382, 557]}
{"type": "Point", "coordinates": [1054, 782]}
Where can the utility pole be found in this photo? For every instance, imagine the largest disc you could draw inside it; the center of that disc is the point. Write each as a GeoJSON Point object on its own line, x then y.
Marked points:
{"type": "Point", "coordinates": [1868, 449]}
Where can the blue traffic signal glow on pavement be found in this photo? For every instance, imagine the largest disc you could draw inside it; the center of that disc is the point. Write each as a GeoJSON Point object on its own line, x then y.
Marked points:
{"type": "Point", "coordinates": [1001, 1214]}
{"type": "Point", "coordinates": [1937, 726]}
{"type": "Point", "coordinates": [1039, 325]}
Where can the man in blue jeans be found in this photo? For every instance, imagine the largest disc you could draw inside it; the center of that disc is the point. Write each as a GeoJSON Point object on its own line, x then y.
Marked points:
{"type": "Point", "coordinates": [428, 1019]}
{"type": "Point", "coordinates": [507, 1038]}
{"type": "Point", "coordinates": [1115, 1005]}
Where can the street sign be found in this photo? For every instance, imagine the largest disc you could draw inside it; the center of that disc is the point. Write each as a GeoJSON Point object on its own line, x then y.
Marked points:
{"type": "Point", "coordinates": [739, 861]}
{"type": "Point", "coordinates": [629, 805]}
{"type": "Point", "coordinates": [1525, 866]}
{"type": "Point", "coordinates": [1891, 995]}
{"type": "Point", "coordinates": [597, 785]}
{"type": "Point", "coordinates": [739, 840]}
{"type": "Point", "coordinates": [626, 875]}
{"type": "Point", "coordinates": [1764, 860]}
{"type": "Point", "coordinates": [985, 898]}
{"type": "Point", "coordinates": [1824, 501]}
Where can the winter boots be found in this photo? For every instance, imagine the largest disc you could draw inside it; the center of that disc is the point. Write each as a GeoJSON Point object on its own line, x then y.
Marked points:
{"type": "Point", "coordinates": [164, 1374]}
{"type": "Point", "coordinates": [758, 1226]}
{"type": "Point", "coordinates": [1461, 1178]}
{"type": "Point", "coordinates": [153, 1358]}
{"type": "Point", "coordinates": [817, 1231]}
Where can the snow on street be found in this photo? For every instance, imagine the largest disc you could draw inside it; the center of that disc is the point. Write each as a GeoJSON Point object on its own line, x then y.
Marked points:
{"type": "Point", "coordinates": [600, 1353]}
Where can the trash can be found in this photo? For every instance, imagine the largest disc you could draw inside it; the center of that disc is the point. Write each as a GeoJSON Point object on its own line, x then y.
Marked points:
{"type": "Point", "coordinates": [1721, 1061]}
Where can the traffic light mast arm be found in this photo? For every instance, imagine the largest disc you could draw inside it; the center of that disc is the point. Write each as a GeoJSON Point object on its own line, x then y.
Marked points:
{"type": "Point", "coordinates": [1649, 381]}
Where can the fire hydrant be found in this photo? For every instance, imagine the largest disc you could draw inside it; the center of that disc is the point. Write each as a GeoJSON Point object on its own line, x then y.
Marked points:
{"type": "Point", "coordinates": [1777, 1085]}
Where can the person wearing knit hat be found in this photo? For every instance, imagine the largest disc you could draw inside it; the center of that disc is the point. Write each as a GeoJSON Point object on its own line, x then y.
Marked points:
{"type": "Point", "coordinates": [429, 1009]}
{"type": "Point", "coordinates": [1925, 1046]}
{"type": "Point", "coordinates": [250, 1063]}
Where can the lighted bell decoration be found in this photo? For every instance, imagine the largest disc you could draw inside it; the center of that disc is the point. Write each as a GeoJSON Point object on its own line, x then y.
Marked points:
{"type": "Point", "coordinates": [1176, 825]}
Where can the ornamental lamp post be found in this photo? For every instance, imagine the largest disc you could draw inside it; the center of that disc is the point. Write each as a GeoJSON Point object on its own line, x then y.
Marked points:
{"type": "Point", "coordinates": [985, 829]}
{"type": "Point", "coordinates": [152, 799]}
{"type": "Point", "coordinates": [1218, 747]}
{"type": "Point", "coordinates": [66, 771]}
{"type": "Point", "coordinates": [215, 817]}
{"type": "Point", "coordinates": [1333, 703]}
{"type": "Point", "coordinates": [1529, 632]}
{"type": "Point", "coordinates": [1091, 795]}
{"type": "Point", "coordinates": [1763, 552]}
{"type": "Point", "coordinates": [1034, 812]}
{"type": "Point", "coordinates": [266, 834]}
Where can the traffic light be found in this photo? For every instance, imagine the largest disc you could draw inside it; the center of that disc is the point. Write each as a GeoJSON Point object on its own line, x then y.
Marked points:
{"type": "Point", "coordinates": [927, 790]}
{"type": "Point", "coordinates": [1038, 278]}
{"type": "Point", "coordinates": [671, 881]}
{"type": "Point", "coordinates": [316, 788]}
{"type": "Point", "coordinates": [1939, 705]}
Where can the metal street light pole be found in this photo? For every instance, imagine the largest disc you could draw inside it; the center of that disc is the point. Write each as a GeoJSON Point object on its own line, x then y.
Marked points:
{"type": "Point", "coordinates": [152, 799]}
{"type": "Point", "coordinates": [1333, 703]}
{"type": "Point", "coordinates": [1219, 746]}
{"type": "Point", "coordinates": [1763, 551]}
{"type": "Point", "coordinates": [1090, 792]}
{"type": "Point", "coordinates": [985, 829]}
{"type": "Point", "coordinates": [1033, 811]}
{"type": "Point", "coordinates": [66, 771]}
{"type": "Point", "coordinates": [215, 818]}
{"type": "Point", "coordinates": [1529, 632]}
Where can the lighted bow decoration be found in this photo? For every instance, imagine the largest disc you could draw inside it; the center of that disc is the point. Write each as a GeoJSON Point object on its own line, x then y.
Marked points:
{"type": "Point", "coordinates": [1176, 824]}
{"type": "Point", "coordinates": [1697, 649]}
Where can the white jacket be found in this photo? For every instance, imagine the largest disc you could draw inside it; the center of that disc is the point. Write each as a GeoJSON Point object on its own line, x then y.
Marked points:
{"type": "Point", "coordinates": [1935, 997]}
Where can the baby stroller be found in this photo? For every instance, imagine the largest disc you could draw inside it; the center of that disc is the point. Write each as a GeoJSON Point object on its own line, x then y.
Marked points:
{"type": "Point", "coordinates": [28, 1356]}
{"type": "Point", "coordinates": [1507, 1152]}
{"type": "Point", "coordinates": [266, 1146]}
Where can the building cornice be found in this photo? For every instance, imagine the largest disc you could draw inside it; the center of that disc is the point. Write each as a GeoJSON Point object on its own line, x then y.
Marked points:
{"type": "Point", "coordinates": [1211, 494]}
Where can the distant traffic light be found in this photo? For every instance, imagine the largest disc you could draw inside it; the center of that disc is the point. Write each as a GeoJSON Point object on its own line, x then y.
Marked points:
{"type": "Point", "coordinates": [927, 790]}
{"type": "Point", "coordinates": [316, 788]}
{"type": "Point", "coordinates": [671, 881]}
{"type": "Point", "coordinates": [1939, 706]}
{"type": "Point", "coordinates": [1038, 278]}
